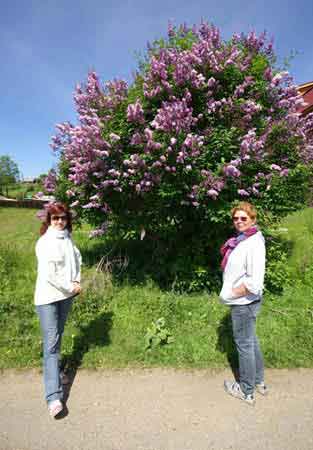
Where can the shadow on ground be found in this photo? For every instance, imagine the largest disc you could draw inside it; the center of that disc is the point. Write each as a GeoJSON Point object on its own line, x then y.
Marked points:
{"type": "Point", "coordinates": [225, 343]}
{"type": "Point", "coordinates": [95, 334]}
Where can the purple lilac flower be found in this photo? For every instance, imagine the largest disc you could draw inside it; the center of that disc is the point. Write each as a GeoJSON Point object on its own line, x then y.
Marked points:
{"type": "Point", "coordinates": [213, 194]}
{"type": "Point", "coordinates": [50, 181]}
{"type": "Point", "coordinates": [231, 171]}
{"type": "Point", "coordinates": [275, 167]}
{"type": "Point", "coordinates": [175, 116]}
{"type": "Point", "coordinates": [114, 137]}
{"type": "Point", "coordinates": [135, 112]}
{"type": "Point", "coordinates": [98, 231]}
{"type": "Point", "coordinates": [243, 193]}
{"type": "Point", "coordinates": [284, 173]}
{"type": "Point", "coordinates": [136, 139]}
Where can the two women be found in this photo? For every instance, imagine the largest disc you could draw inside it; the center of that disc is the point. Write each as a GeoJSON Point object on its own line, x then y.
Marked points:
{"type": "Point", "coordinates": [58, 281]}
{"type": "Point", "coordinates": [243, 267]}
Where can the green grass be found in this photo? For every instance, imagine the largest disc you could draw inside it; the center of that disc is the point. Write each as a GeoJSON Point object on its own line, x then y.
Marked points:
{"type": "Point", "coordinates": [21, 190]}
{"type": "Point", "coordinates": [299, 230]}
{"type": "Point", "coordinates": [109, 321]}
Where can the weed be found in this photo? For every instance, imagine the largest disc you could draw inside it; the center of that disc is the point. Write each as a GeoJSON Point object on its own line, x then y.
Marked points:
{"type": "Point", "coordinates": [157, 334]}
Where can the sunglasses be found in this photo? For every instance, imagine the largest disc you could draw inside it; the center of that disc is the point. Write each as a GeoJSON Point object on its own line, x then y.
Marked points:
{"type": "Point", "coordinates": [241, 218]}
{"type": "Point", "coordinates": [58, 217]}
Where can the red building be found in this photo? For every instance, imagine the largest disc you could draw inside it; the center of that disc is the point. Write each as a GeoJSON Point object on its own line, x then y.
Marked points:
{"type": "Point", "coordinates": [306, 90]}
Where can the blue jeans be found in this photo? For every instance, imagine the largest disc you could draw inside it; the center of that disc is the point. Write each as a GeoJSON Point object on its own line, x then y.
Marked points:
{"type": "Point", "coordinates": [251, 366]}
{"type": "Point", "coordinates": [52, 321]}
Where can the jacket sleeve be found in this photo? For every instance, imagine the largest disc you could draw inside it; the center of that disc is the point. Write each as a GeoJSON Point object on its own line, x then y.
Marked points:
{"type": "Point", "coordinates": [48, 264]}
{"type": "Point", "coordinates": [54, 278]}
{"type": "Point", "coordinates": [255, 268]}
{"type": "Point", "coordinates": [78, 259]}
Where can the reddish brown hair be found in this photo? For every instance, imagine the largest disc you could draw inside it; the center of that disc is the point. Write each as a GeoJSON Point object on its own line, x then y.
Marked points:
{"type": "Point", "coordinates": [56, 209]}
{"type": "Point", "coordinates": [247, 208]}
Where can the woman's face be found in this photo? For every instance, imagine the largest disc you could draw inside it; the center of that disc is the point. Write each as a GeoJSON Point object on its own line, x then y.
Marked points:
{"type": "Point", "coordinates": [58, 221]}
{"type": "Point", "coordinates": [242, 222]}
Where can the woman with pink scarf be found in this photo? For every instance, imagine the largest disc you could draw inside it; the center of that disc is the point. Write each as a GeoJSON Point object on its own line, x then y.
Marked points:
{"type": "Point", "coordinates": [243, 267]}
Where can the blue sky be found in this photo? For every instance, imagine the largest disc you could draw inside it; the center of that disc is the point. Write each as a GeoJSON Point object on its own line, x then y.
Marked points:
{"type": "Point", "coordinates": [47, 46]}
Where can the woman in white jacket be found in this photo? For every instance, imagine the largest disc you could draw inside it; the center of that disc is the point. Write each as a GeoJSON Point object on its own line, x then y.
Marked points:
{"type": "Point", "coordinates": [58, 281]}
{"type": "Point", "coordinates": [243, 267]}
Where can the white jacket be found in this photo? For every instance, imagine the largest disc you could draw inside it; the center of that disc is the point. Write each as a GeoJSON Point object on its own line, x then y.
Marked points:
{"type": "Point", "coordinates": [59, 264]}
{"type": "Point", "coordinates": [245, 265]}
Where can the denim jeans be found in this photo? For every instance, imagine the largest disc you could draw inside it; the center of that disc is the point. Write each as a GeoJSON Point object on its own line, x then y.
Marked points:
{"type": "Point", "coordinates": [52, 321]}
{"type": "Point", "coordinates": [251, 367]}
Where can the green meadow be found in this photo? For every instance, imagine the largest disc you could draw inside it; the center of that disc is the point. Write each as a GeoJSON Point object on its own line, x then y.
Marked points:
{"type": "Point", "coordinates": [119, 324]}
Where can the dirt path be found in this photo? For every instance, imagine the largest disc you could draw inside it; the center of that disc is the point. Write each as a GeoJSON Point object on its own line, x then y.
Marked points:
{"type": "Point", "coordinates": [157, 410]}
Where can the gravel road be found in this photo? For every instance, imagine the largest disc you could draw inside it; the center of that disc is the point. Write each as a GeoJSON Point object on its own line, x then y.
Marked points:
{"type": "Point", "coordinates": [157, 409]}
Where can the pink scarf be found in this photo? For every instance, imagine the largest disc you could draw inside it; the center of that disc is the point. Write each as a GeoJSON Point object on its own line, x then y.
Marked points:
{"type": "Point", "coordinates": [231, 243]}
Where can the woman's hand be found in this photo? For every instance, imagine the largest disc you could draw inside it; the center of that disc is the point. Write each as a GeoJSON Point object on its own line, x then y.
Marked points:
{"type": "Point", "coordinates": [76, 287]}
{"type": "Point", "coordinates": [240, 291]}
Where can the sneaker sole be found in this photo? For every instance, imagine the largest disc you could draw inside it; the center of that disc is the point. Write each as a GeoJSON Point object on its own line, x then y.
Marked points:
{"type": "Point", "coordinates": [263, 393]}
{"type": "Point", "coordinates": [251, 403]}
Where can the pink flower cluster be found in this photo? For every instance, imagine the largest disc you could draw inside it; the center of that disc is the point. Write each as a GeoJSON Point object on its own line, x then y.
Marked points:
{"type": "Point", "coordinates": [135, 113]}
{"type": "Point", "coordinates": [174, 117]}
{"type": "Point", "coordinates": [50, 181]}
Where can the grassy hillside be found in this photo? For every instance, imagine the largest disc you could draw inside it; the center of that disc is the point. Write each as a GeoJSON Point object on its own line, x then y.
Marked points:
{"type": "Point", "coordinates": [111, 323]}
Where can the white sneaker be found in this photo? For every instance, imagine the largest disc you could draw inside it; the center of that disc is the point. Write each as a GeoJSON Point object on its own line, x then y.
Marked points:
{"type": "Point", "coordinates": [261, 388]}
{"type": "Point", "coordinates": [55, 407]}
{"type": "Point", "coordinates": [233, 388]}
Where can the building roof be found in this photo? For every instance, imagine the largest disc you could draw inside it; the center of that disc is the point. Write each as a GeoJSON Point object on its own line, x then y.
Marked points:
{"type": "Point", "coordinates": [306, 90]}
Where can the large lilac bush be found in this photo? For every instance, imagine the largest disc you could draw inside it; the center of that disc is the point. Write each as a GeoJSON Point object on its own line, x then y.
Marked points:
{"type": "Point", "coordinates": [206, 122]}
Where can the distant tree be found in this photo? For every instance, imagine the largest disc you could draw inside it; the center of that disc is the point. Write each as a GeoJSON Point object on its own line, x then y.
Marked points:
{"type": "Point", "coordinates": [41, 177]}
{"type": "Point", "coordinates": [9, 172]}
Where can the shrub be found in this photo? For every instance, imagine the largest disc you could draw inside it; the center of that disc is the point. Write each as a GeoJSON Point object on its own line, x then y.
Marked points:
{"type": "Point", "coordinates": [159, 164]}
